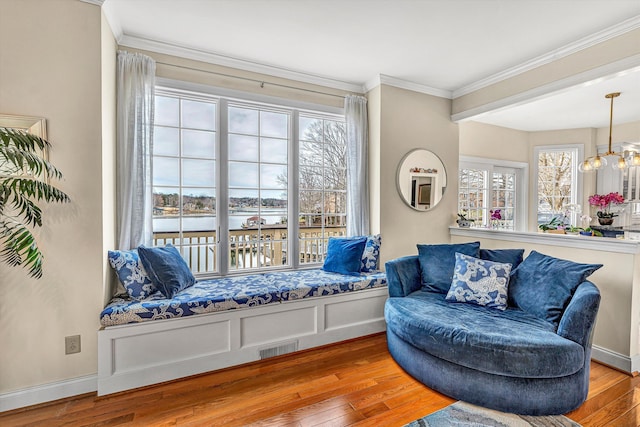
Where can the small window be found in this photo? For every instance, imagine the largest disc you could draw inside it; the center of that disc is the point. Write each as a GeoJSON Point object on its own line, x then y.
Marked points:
{"type": "Point", "coordinates": [557, 183]}
{"type": "Point", "coordinates": [492, 193]}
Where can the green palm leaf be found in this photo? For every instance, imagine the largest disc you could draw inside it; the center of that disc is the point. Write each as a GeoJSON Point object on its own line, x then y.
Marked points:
{"type": "Point", "coordinates": [20, 247]}
{"type": "Point", "coordinates": [24, 180]}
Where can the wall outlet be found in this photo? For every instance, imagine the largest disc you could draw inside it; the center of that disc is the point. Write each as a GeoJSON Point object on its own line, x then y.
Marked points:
{"type": "Point", "coordinates": [72, 344]}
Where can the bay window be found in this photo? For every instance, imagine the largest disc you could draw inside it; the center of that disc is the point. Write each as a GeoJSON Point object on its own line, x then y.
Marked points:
{"type": "Point", "coordinates": [234, 179]}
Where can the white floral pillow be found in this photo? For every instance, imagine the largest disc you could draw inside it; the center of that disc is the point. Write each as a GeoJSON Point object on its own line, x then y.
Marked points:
{"type": "Point", "coordinates": [371, 255]}
{"type": "Point", "coordinates": [481, 282]}
{"type": "Point", "coordinates": [131, 273]}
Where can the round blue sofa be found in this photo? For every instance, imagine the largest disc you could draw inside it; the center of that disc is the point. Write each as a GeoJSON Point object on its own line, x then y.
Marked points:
{"type": "Point", "coordinates": [511, 360]}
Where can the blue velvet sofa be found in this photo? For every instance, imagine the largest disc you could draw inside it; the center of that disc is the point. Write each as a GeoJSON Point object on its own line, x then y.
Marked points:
{"type": "Point", "coordinates": [512, 360]}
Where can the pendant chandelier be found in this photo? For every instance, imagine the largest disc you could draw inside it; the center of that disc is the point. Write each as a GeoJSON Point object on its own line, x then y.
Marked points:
{"type": "Point", "coordinates": [624, 159]}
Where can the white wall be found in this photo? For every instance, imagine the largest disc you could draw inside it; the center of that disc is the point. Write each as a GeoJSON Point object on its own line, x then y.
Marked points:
{"type": "Point", "coordinates": [50, 66]}
{"type": "Point", "coordinates": [109, 59]}
{"type": "Point", "coordinates": [623, 132]}
{"type": "Point", "coordinates": [374, 108]}
{"type": "Point", "coordinates": [495, 142]}
{"type": "Point", "coordinates": [410, 120]}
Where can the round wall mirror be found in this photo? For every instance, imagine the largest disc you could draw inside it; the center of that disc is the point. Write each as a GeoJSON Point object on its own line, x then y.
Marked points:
{"type": "Point", "coordinates": [422, 179]}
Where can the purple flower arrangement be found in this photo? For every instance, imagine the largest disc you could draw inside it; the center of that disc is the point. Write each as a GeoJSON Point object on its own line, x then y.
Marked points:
{"type": "Point", "coordinates": [604, 201]}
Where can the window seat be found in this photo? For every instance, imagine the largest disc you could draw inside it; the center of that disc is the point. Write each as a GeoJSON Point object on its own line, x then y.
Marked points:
{"type": "Point", "coordinates": [230, 293]}
{"type": "Point", "coordinates": [228, 321]}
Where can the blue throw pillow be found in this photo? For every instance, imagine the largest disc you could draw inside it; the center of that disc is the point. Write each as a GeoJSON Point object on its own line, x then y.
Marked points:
{"type": "Point", "coordinates": [344, 255]}
{"type": "Point", "coordinates": [131, 273]}
{"type": "Point", "coordinates": [371, 255]}
{"type": "Point", "coordinates": [481, 282]}
{"type": "Point", "coordinates": [438, 261]}
{"type": "Point", "coordinates": [510, 256]}
{"type": "Point", "coordinates": [543, 285]}
{"type": "Point", "coordinates": [167, 269]}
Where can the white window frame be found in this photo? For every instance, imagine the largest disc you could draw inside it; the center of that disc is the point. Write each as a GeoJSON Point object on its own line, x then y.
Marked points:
{"type": "Point", "coordinates": [576, 182]}
{"type": "Point", "coordinates": [223, 97]}
{"type": "Point", "coordinates": [522, 183]}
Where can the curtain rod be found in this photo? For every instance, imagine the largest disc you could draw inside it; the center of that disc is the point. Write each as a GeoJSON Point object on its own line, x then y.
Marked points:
{"type": "Point", "coordinates": [262, 82]}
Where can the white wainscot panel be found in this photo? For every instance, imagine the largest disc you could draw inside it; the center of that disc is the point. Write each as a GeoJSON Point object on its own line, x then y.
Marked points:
{"type": "Point", "coordinates": [347, 313]}
{"type": "Point", "coordinates": [271, 327]}
{"type": "Point", "coordinates": [158, 348]}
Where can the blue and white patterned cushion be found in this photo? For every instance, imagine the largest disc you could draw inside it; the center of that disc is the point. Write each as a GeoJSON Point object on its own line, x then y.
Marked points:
{"type": "Point", "coordinates": [230, 293]}
{"type": "Point", "coordinates": [371, 255]}
{"type": "Point", "coordinates": [131, 273]}
{"type": "Point", "coordinates": [315, 283]}
{"type": "Point", "coordinates": [479, 282]}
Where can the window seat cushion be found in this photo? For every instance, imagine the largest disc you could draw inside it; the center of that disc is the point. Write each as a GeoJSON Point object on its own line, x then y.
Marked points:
{"type": "Point", "coordinates": [228, 293]}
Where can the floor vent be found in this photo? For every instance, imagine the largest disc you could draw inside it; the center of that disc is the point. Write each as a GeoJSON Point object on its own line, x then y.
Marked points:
{"type": "Point", "coordinates": [279, 350]}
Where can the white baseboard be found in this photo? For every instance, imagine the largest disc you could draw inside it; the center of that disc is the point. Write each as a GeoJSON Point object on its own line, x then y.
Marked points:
{"type": "Point", "coordinates": [616, 360]}
{"type": "Point", "coordinates": [48, 392]}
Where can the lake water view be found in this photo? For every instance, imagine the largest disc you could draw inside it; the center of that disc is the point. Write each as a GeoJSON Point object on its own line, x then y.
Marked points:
{"type": "Point", "coordinates": [167, 224]}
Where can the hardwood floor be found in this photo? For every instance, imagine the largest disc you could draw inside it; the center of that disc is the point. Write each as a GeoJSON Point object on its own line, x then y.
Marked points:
{"type": "Point", "coordinates": [355, 383]}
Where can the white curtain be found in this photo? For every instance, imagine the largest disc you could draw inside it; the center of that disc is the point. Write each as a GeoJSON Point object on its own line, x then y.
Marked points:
{"type": "Point", "coordinates": [134, 138]}
{"type": "Point", "coordinates": [355, 108]}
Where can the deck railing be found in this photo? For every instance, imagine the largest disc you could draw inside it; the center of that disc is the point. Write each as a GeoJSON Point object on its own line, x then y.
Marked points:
{"type": "Point", "coordinates": [249, 248]}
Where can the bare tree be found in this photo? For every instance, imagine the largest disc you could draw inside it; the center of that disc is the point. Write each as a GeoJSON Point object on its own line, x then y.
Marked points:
{"type": "Point", "coordinates": [322, 167]}
{"type": "Point", "coordinates": [554, 179]}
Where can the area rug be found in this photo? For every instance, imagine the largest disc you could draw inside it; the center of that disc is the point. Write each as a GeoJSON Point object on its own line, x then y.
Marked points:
{"type": "Point", "coordinates": [465, 414]}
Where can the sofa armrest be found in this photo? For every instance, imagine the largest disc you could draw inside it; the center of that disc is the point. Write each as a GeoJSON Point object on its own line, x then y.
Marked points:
{"type": "Point", "coordinates": [403, 276]}
{"type": "Point", "coordinates": [579, 318]}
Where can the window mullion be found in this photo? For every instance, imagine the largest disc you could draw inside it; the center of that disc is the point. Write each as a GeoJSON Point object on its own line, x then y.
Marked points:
{"type": "Point", "coordinates": [294, 191]}
{"type": "Point", "coordinates": [224, 249]}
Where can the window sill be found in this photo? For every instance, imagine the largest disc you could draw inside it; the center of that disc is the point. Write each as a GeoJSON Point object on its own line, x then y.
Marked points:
{"type": "Point", "coordinates": [607, 244]}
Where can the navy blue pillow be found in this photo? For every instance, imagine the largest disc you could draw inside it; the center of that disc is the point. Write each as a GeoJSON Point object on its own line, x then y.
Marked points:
{"type": "Point", "coordinates": [508, 256]}
{"type": "Point", "coordinates": [543, 285]}
{"type": "Point", "coordinates": [437, 263]}
{"type": "Point", "coordinates": [344, 255]}
{"type": "Point", "coordinates": [166, 268]}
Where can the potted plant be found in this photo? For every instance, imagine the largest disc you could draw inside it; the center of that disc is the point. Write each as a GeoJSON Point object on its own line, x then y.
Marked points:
{"type": "Point", "coordinates": [496, 217]}
{"type": "Point", "coordinates": [463, 221]}
{"type": "Point", "coordinates": [604, 201]}
{"type": "Point", "coordinates": [586, 232]}
{"type": "Point", "coordinates": [573, 230]}
{"type": "Point", "coordinates": [24, 181]}
{"type": "Point", "coordinates": [554, 225]}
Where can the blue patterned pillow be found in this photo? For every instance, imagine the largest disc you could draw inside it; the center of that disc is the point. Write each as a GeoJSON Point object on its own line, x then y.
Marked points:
{"type": "Point", "coordinates": [131, 273]}
{"type": "Point", "coordinates": [344, 255]}
{"type": "Point", "coordinates": [481, 282]}
{"type": "Point", "coordinates": [167, 269]}
{"type": "Point", "coordinates": [371, 255]}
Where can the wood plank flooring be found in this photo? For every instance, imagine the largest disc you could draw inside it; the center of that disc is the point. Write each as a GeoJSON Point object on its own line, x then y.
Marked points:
{"type": "Point", "coordinates": [355, 383]}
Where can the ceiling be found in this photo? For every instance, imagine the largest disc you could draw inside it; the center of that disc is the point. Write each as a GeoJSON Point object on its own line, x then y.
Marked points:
{"type": "Point", "coordinates": [447, 47]}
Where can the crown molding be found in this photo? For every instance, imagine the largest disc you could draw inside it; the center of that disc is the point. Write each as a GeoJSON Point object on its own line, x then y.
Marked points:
{"type": "Point", "coordinates": [136, 42]}
{"type": "Point", "coordinates": [569, 49]}
{"type": "Point", "coordinates": [112, 19]}
{"type": "Point", "coordinates": [405, 84]}
{"type": "Point", "coordinates": [96, 2]}
{"type": "Point", "coordinates": [587, 77]}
